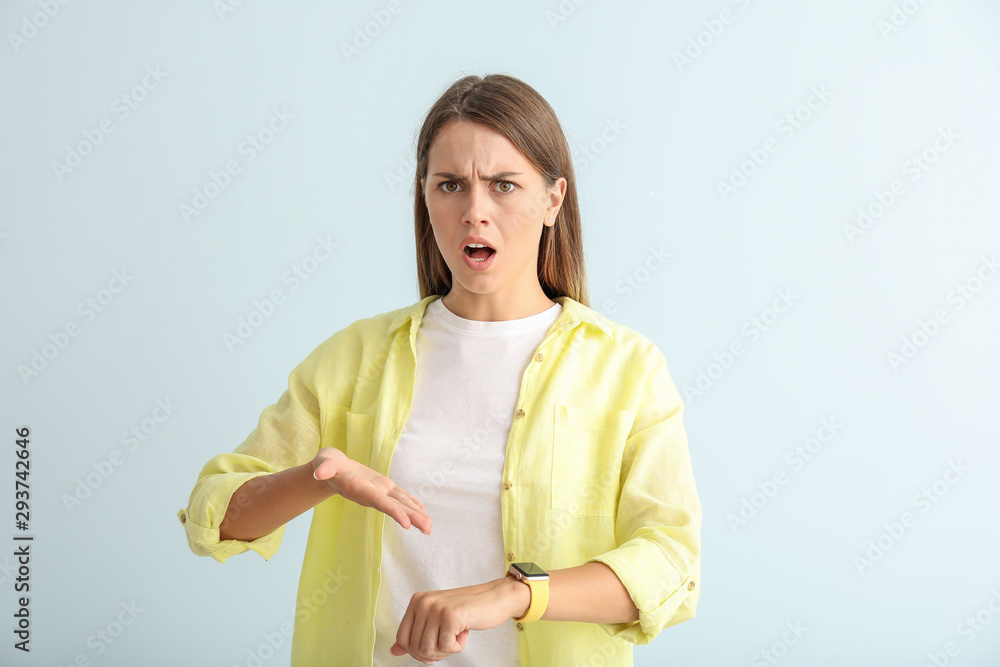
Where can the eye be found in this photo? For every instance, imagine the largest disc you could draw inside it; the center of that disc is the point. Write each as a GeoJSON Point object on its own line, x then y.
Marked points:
{"type": "Point", "coordinates": [446, 183]}
{"type": "Point", "coordinates": [512, 185]}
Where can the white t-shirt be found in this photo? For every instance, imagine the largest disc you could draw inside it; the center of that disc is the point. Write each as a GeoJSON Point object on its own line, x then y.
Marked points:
{"type": "Point", "coordinates": [468, 376]}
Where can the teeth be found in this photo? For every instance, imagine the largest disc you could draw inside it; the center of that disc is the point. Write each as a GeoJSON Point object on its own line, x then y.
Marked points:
{"type": "Point", "coordinates": [472, 247]}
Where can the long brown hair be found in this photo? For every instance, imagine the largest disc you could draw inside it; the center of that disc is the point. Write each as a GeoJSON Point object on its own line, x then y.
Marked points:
{"type": "Point", "coordinates": [516, 110]}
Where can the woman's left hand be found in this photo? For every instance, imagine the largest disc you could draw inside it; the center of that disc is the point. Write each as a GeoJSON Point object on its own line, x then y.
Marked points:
{"type": "Point", "coordinates": [437, 623]}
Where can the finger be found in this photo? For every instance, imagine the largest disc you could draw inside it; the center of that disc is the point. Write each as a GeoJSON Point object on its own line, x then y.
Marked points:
{"type": "Point", "coordinates": [403, 515]}
{"type": "Point", "coordinates": [419, 635]}
{"type": "Point", "coordinates": [448, 639]}
{"type": "Point", "coordinates": [414, 499]}
{"type": "Point", "coordinates": [405, 502]}
{"type": "Point", "coordinates": [393, 509]}
{"type": "Point", "coordinates": [423, 522]}
{"type": "Point", "coordinates": [405, 625]}
{"type": "Point", "coordinates": [416, 517]}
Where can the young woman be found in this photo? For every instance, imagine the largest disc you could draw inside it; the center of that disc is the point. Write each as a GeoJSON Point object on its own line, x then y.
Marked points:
{"type": "Point", "coordinates": [537, 446]}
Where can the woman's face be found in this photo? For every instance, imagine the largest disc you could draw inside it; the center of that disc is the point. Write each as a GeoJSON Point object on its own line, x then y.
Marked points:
{"type": "Point", "coordinates": [478, 184]}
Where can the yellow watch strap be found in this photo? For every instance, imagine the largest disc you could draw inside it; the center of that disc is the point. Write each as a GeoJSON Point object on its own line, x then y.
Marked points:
{"type": "Point", "coordinates": [539, 601]}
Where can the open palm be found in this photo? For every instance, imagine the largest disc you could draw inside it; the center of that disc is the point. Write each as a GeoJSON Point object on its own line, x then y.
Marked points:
{"type": "Point", "coordinates": [360, 484]}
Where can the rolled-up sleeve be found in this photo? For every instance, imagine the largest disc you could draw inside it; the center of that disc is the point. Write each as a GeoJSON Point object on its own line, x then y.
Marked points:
{"type": "Point", "coordinates": [287, 435]}
{"type": "Point", "coordinates": [658, 523]}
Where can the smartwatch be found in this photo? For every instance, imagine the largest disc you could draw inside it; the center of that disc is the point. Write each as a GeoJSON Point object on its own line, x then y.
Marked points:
{"type": "Point", "coordinates": [538, 581]}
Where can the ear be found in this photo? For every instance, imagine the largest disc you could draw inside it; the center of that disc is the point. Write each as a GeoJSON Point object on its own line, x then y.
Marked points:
{"type": "Point", "coordinates": [556, 194]}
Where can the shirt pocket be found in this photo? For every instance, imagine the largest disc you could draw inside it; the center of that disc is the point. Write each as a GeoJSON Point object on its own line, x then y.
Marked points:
{"type": "Point", "coordinates": [351, 433]}
{"type": "Point", "coordinates": [587, 459]}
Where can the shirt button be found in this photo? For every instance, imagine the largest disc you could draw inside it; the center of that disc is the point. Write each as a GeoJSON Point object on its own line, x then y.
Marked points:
{"type": "Point", "coordinates": [519, 626]}
{"type": "Point", "coordinates": [519, 413]}
{"type": "Point", "coordinates": [691, 585]}
{"type": "Point", "coordinates": [510, 557]}
{"type": "Point", "coordinates": [506, 485]}
{"type": "Point", "coordinates": [538, 357]}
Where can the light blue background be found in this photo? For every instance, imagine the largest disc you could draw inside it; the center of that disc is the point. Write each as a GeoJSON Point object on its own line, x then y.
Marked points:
{"type": "Point", "coordinates": [682, 129]}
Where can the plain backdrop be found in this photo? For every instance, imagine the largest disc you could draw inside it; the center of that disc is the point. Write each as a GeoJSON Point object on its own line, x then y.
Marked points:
{"type": "Point", "coordinates": [820, 177]}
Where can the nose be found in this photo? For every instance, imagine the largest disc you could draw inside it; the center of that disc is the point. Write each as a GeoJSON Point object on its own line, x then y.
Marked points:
{"type": "Point", "coordinates": [477, 205]}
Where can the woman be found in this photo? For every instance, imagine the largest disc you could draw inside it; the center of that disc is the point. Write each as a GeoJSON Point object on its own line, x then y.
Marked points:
{"type": "Point", "coordinates": [516, 428]}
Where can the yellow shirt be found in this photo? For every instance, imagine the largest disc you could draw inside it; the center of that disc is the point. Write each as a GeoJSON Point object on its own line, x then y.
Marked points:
{"type": "Point", "coordinates": [597, 464]}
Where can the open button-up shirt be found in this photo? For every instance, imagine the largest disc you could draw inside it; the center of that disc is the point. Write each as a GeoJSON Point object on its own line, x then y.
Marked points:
{"type": "Point", "coordinates": [597, 469]}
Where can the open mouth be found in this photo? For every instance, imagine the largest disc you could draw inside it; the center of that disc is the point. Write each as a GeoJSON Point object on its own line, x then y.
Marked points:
{"type": "Point", "coordinates": [479, 252]}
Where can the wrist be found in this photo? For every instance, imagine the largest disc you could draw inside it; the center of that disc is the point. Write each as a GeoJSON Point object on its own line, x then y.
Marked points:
{"type": "Point", "coordinates": [519, 595]}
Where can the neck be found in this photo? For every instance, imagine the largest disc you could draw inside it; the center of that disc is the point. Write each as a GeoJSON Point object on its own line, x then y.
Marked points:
{"type": "Point", "coordinates": [495, 307]}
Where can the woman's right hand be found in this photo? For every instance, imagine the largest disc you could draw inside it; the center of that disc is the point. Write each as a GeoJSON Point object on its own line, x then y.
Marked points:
{"type": "Point", "coordinates": [362, 485]}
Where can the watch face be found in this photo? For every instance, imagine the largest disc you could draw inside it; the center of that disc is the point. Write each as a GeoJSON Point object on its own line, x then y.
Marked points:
{"type": "Point", "coordinates": [530, 570]}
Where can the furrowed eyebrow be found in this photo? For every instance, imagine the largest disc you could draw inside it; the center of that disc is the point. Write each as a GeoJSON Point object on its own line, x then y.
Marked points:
{"type": "Point", "coordinates": [487, 177]}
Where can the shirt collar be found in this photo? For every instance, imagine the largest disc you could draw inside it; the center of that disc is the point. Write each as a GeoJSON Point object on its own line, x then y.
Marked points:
{"type": "Point", "coordinates": [573, 313]}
